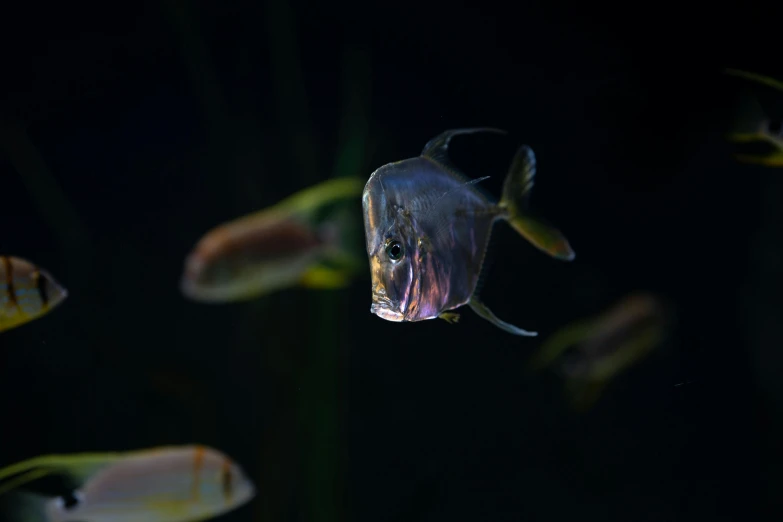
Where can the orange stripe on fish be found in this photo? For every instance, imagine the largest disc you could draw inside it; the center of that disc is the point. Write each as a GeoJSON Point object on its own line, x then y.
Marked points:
{"type": "Point", "coordinates": [227, 481]}
{"type": "Point", "coordinates": [198, 461]}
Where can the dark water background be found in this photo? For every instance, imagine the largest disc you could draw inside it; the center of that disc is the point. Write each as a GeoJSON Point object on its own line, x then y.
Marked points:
{"type": "Point", "coordinates": [130, 129]}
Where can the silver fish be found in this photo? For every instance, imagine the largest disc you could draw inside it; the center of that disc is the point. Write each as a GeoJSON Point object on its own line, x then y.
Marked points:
{"type": "Point", "coordinates": [164, 484]}
{"type": "Point", "coordinates": [427, 227]}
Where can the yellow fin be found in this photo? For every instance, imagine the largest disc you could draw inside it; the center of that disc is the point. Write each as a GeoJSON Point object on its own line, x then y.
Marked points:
{"type": "Point", "coordinates": [746, 137]}
{"type": "Point", "coordinates": [755, 77]}
{"type": "Point", "coordinates": [543, 236]}
{"type": "Point", "coordinates": [449, 317]}
{"type": "Point", "coordinates": [516, 191]}
{"type": "Point", "coordinates": [770, 160]}
{"type": "Point", "coordinates": [24, 478]}
{"type": "Point", "coordinates": [311, 198]}
{"type": "Point", "coordinates": [320, 277]}
{"type": "Point", "coordinates": [78, 467]}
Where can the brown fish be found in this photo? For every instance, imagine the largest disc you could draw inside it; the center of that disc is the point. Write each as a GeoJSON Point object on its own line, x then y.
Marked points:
{"type": "Point", "coordinates": [27, 292]}
{"type": "Point", "coordinates": [286, 245]}
{"type": "Point", "coordinates": [427, 227]}
{"type": "Point", "coordinates": [604, 346]}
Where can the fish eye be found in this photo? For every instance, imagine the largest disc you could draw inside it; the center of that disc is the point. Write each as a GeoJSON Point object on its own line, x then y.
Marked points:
{"type": "Point", "coordinates": [394, 250]}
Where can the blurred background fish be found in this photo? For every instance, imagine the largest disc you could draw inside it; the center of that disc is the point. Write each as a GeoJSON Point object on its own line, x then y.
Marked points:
{"type": "Point", "coordinates": [309, 239]}
{"type": "Point", "coordinates": [589, 353]}
{"type": "Point", "coordinates": [164, 484]}
{"type": "Point", "coordinates": [759, 122]}
{"type": "Point", "coordinates": [27, 292]}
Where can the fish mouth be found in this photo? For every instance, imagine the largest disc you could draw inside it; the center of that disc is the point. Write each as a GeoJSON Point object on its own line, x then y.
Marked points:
{"type": "Point", "coordinates": [382, 307]}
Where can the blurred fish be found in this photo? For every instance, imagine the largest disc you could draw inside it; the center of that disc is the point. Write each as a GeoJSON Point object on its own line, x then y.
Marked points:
{"type": "Point", "coordinates": [26, 292]}
{"type": "Point", "coordinates": [303, 240]}
{"type": "Point", "coordinates": [605, 345]}
{"type": "Point", "coordinates": [764, 129]}
{"type": "Point", "coordinates": [427, 227]}
{"type": "Point", "coordinates": [165, 484]}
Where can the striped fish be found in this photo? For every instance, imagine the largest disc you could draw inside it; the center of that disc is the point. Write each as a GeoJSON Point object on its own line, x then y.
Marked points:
{"type": "Point", "coordinates": [27, 292]}
{"type": "Point", "coordinates": [163, 484]}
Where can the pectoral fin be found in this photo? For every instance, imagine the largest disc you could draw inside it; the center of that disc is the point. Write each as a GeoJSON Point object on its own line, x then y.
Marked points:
{"type": "Point", "coordinates": [449, 317]}
{"type": "Point", "coordinates": [482, 310]}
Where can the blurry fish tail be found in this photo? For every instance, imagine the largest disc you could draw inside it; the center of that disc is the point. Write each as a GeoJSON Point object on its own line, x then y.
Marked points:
{"type": "Point", "coordinates": [25, 507]}
{"type": "Point", "coordinates": [514, 201]}
{"type": "Point", "coordinates": [340, 259]}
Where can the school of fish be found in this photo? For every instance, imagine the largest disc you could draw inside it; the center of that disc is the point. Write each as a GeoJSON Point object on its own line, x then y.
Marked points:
{"type": "Point", "coordinates": [426, 230]}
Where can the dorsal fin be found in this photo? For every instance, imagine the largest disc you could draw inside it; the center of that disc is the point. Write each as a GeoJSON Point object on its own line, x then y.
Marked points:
{"type": "Point", "coordinates": [437, 149]}
{"type": "Point", "coordinates": [521, 175]}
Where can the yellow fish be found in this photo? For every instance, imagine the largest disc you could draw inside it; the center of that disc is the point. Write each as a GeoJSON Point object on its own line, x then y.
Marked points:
{"type": "Point", "coordinates": [765, 130]}
{"type": "Point", "coordinates": [300, 241]}
{"type": "Point", "coordinates": [604, 345]}
{"type": "Point", "coordinates": [27, 292]}
{"type": "Point", "coordinates": [164, 484]}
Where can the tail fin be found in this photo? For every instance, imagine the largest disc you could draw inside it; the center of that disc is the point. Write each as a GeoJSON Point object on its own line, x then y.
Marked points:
{"type": "Point", "coordinates": [343, 255]}
{"type": "Point", "coordinates": [516, 192]}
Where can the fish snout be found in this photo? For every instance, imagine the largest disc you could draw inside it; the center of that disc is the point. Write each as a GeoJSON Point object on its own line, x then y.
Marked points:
{"type": "Point", "coordinates": [385, 312]}
{"type": "Point", "coordinates": [384, 307]}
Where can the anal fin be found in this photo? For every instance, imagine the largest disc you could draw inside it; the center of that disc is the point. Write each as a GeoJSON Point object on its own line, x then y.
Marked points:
{"type": "Point", "coordinates": [483, 311]}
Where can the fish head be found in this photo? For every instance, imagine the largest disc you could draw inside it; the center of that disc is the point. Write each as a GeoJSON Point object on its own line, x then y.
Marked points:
{"type": "Point", "coordinates": [206, 267]}
{"type": "Point", "coordinates": [221, 486]}
{"type": "Point", "coordinates": [392, 250]}
{"type": "Point", "coordinates": [54, 290]}
{"type": "Point", "coordinates": [226, 483]}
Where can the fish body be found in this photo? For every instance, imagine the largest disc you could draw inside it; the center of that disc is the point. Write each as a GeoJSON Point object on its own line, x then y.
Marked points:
{"type": "Point", "coordinates": [427, 227]}
{"type": "Point", "coordinates": [168, 484]}
{"type": "Point", "coordinates": [280, 247]}
{"type": "Point", "coordinates": [622, 336]}
{"type": "Point", "coordinates": [593, 351]}
{"type": "Point", "coordinates": [759, 127]}
{"type": "Point", "coordinates": [243, 259]}
{"type": "Point", "coordinates": [27, 292]}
